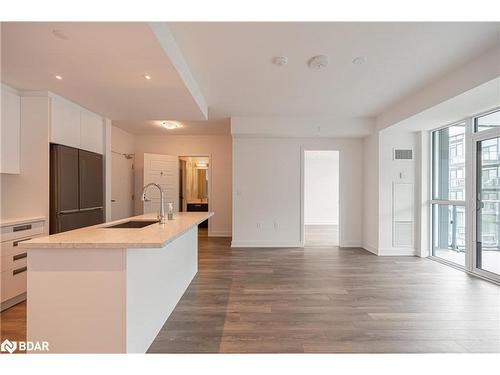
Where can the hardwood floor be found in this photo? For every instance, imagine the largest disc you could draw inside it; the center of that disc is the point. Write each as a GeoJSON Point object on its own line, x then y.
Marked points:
{"type": "Point", "coordinates": [321, 235]}
{"type": "Point", "coordinates": [326, 300]}
{"type": "Point", "coordinates": [13, 323]}
{"type": "Point", "coordinates": [329, 300]}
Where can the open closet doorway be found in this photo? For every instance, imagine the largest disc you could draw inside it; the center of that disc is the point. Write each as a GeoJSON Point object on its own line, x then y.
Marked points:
{"type": "Point", "coordinates": [194, 187]}
{"type": "Point", "coordinates": [321, 198]}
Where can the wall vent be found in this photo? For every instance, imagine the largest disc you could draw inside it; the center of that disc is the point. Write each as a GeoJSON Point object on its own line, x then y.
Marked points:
{"type": "Point", "coordinates": [403, 154]}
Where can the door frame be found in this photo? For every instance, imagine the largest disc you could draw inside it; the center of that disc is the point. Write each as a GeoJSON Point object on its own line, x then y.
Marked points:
{"type": "Point", "coordinates": [475, 139]}
{"type": "Point", "coordinates": [210, 203]}
{"type": "Point", "coordinates": [302, 192]}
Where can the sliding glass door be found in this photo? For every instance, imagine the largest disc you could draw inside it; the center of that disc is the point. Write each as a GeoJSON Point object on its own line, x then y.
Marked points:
{"type": "Point", "coordinates": [486, 256]}
{"type": "Point", "coordinates": [465, 204]}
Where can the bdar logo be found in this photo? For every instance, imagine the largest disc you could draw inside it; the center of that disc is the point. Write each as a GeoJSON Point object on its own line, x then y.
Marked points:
{"type": "Point", "coordinates": [8, 346]}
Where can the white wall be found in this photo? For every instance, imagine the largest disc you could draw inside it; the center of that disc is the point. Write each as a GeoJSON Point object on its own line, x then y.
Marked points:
{"type": "Point", "coordinates": [121, 174]}
{"type": "Point", "coordinates": [370, 193]}
{"type": "Point", "coordinates": [27, 194]}
{"type": "Point", "coordinates": [218, 148]}
{"type": "Point", "coordinates": [267, 189]}
{"type": "Point", "coordinates": [394, 171]}
{"type": "Point", "coordinates": [321, 188]}
{"type": "Point", "coordinates": [122, 141]}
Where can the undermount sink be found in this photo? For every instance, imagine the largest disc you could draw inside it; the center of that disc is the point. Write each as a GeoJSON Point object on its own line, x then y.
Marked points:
{"type": "Point", "coordinates": [134, 224]}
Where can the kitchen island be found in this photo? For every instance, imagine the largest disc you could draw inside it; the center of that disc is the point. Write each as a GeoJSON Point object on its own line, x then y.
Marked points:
{"type": "Point", "coordinates": [109, 290]}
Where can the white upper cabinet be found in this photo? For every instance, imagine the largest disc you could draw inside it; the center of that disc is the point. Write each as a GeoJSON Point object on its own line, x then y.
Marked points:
{"type": "Point", "coordinates": [65, 124]}
{"type": "Point", "coordinates": [75, 126]}
{"type": "Point", "coordinates": [11, 128]}
{"type": "Point", "coordinates": [91, 132]}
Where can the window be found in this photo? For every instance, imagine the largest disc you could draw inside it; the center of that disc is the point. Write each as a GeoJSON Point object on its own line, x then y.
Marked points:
{"type": "Point", "coordinates": [448, 192]}
{"type": "Point", "coordinates": [487, 121]}
{"type": "Point", "coordinates": [448, 164]}
{"type": "Point", "coordinates": [475, 141]}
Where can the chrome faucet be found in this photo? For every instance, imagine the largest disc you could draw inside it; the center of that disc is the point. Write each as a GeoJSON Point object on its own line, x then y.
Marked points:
{"type": "Point", "coordinates": [161, 214]}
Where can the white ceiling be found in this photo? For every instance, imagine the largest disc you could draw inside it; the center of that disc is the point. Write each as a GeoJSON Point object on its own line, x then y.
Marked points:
{"type": "Point", "coordinates": [152, 127]}
{"type": "Point", "coordinates": [232, 64]}
{"type": "Point", "coordinates": [229, 66]}
{"type": "Point", "coordinates": [103, 66]}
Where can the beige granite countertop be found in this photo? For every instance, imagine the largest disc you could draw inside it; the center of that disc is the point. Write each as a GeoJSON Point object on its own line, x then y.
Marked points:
{"type": "Point", "coordinates": [100, 237]}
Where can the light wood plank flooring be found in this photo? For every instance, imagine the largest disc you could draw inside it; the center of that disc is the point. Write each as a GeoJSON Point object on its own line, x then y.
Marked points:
{"type": "Point", "coordinates": [321, 235]}
{"type": "Point", "coordinates": [329, 300]}
{"type": "Point", "coordinates": [326, 300]}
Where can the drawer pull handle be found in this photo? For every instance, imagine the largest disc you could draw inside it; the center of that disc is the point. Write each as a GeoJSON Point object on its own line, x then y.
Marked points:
{"type": "Point", "coordinates": [15, 243]}
{"type": "Point", "coordinates": [22, 227]}
{"type": "Point", "coordinates": [19, 256]}
{"type": "Point", "coordinates": [20, 270]}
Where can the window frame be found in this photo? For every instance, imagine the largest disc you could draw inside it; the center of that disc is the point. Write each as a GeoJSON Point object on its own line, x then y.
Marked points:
{"type": "Point", "coordinates": [470, 138]}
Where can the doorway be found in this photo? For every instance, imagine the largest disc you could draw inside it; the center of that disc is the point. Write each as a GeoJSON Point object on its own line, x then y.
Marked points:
{"type": "Point", "coordinates": [194, 187]}
{"type": "Point", "coordinates": [122, 185]}
{"type": "Point", "coordinates": [486, 246]}
{"type": "Point", "coordinates": [321, 198]}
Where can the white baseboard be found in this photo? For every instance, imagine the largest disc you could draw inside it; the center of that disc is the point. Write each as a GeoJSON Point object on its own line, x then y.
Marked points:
{"type": "Point", "coordinates": [219, 233]}
{"type": "Point", "coordinates": [351, 244]}
{"type": "Point", "coordinates": [370, 248]}
{"type": "Point", "coordinates": [13, 301]}
{"type": "Point", "coordinates": [320, 221]}
{"type": "Point", "coordinates": [265, 244]}
{"type": "Point", "coordinates": [401, 251]}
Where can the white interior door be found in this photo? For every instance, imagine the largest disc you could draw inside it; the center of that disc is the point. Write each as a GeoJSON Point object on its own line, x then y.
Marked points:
{"type": "Point", "coordinates": [164, 171]}
{"type": "Point", "coordinates": [122, 187]}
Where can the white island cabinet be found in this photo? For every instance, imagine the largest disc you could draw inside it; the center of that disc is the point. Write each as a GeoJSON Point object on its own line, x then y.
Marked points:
{"type": "Point", "coordinates": [109, 290]}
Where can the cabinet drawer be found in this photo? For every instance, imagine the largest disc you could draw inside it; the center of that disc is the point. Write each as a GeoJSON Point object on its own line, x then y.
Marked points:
{"type": "Point", "coordinates": [12, 232]}
{"type": "Point", "coordinates": [11, 248]}
{"type": "Point", "coordinates": [10, 262]}
{"type": "Point", "coordinates": [13, 283]}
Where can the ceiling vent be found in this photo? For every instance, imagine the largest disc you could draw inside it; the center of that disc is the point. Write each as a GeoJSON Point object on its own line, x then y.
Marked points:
{"type": "Point", "coordinates": [403, 154]}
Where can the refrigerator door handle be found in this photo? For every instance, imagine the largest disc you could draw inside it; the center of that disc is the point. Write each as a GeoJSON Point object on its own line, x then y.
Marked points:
{"type": "Point", "coordinates": [64, 212]}
{"type": "Point", "coordinates": [91, 209]}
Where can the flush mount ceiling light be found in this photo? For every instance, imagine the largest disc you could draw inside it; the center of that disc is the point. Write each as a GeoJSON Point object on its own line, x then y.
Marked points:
{"type": "Point", "coordinates": [318, 62]}
{"type": "Point", "coordinates": [201, 165]}
{"type": "Point", "coordinates": [147, 76]}
{"type": "Point", "coordinates": [359, 60]}
{"type": "Point", "coordinates": [280, 60]}
{"type": "Point", "coordinates": [58, 77]}
{"type": "Point", "coordinates": [170, 125]}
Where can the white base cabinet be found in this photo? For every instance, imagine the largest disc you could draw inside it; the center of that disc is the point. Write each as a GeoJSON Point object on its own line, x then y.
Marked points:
{"type": "Point", "coordinates": [13, 259]}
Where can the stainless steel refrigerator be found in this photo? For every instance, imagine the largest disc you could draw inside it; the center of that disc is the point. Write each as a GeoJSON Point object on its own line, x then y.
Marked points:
{"type": "Point", "coordinates": [76, 188]}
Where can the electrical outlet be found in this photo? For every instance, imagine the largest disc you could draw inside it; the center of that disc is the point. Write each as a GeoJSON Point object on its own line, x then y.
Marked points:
{"type": "Point", "coordinates": [259, 225]}
{"type": "Point", "coordinates": [276, 225]}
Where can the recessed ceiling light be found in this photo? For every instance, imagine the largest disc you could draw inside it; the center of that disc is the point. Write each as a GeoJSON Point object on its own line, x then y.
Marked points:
{"type": "Point", "coordinates": [280, 60]}
{"type": "Point", "coordinates": [359, 60]}
{"type": "Point", "coordinates": [171, 125]}
{"type": "Point", "coordinates": [58, 77]}
{"type": "Point", "coordinates": [318, 62]}
{"type": "Point", "coordinates": [147, 76]}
